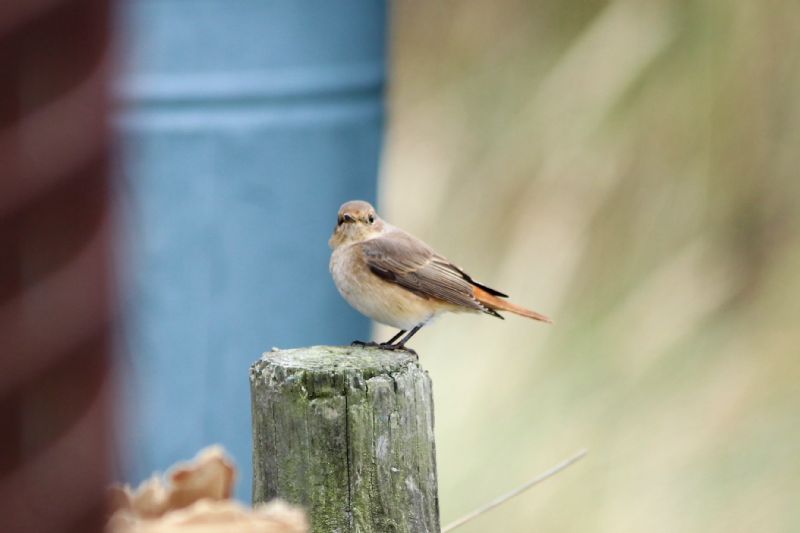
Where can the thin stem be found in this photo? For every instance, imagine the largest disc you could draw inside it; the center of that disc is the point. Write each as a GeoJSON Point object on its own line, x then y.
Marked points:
{"type": "Point", "coordinates": [516, 492]}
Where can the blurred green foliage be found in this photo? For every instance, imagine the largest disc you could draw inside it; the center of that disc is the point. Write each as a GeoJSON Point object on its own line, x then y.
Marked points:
{"type": "Point", "coordinates": [631, 169]}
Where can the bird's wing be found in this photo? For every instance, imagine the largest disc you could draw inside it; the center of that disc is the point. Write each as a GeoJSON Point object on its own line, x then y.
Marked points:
{"type": "Point", "coordinates": [399, 258]}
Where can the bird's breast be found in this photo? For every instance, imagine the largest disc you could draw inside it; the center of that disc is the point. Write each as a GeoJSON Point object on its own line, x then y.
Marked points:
{"type": "Point", "coordinates": [380, 300]}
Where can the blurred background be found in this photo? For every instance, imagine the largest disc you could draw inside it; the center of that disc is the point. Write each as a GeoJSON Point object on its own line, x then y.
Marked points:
{"type": "Point", "coordinates": [630, 169]}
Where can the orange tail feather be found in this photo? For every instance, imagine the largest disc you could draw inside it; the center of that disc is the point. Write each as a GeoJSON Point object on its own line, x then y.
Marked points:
{"type": "Point", "coordinates": [499, 304]}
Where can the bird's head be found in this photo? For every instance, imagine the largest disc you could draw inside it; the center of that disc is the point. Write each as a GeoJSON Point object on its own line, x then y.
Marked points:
{"type": "Point", "coordinates": [357, 221]}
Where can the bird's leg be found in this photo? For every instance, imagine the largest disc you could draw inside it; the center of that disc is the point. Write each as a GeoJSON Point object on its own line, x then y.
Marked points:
{"type": "Point", "coordinates": [404, 340]}
{"type": "Point", "coordinates": [402, 344]}
{"type": "Point", "coordinates": [390, 342]}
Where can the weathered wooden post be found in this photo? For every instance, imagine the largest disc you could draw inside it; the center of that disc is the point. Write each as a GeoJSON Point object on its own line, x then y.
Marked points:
{"type": "Point", "coordinates": [347, 432]}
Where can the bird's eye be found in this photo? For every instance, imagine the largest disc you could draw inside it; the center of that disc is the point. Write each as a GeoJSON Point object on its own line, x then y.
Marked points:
{"type": "Point", "coordinates": [371, 218]}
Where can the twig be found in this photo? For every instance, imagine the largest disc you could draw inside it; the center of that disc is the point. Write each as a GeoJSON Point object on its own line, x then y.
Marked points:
{"type": "Point", "coordinates": [516, 492]}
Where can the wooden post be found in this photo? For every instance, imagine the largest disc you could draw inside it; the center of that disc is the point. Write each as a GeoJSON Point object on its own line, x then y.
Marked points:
{"type": "Point", "coordinates": [346, 432]}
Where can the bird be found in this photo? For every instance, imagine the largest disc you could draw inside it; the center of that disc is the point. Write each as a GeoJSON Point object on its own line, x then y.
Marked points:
{"type": "Point", "coordinates": [396, 279]}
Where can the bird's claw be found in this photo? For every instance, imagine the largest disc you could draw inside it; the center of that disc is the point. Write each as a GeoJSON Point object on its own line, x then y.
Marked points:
{"type": "Point", "coordinates": [365, 344]}
{"type": "Point", "coordinates": [395, 347]}
{"type": "Point", "coordinates": [385, 346]}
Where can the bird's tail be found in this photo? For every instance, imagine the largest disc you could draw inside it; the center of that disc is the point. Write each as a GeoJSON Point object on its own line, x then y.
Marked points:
{"type": "Point", "coordinates": [496, 303]}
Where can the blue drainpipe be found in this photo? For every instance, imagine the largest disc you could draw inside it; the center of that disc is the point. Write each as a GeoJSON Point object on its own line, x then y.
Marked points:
{"type": "Point", "coordinates": [245, 124]}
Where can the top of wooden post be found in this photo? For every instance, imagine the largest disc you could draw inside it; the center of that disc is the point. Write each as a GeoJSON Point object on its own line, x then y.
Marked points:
{"type": "Point", "coordinates": [367, 361]}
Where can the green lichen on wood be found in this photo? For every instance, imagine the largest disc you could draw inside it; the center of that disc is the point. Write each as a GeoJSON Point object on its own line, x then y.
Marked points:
{"type": "Point", "coordinates": [347, 432]}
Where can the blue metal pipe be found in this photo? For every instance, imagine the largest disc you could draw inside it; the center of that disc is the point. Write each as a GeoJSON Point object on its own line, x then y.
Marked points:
{"type": "Point", "coordinates": [245, 124]}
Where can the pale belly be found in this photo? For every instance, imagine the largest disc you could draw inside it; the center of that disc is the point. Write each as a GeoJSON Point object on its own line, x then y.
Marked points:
{"type": "Point", "coordinates": [380, 300]}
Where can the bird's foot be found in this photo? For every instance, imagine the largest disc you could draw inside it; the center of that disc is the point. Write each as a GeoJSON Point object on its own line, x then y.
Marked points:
{"type": "Point", "coordinates": [397, 347]}
{"type": "Point", "coordinates": [365, 344]}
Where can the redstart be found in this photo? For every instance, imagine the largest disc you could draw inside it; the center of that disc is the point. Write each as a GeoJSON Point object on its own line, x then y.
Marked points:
{"type": "Point", "coordinates": [398, 280]}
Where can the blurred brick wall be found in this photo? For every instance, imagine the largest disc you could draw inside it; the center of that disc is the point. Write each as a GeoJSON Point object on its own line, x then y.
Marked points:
{"type": "Point", "coordinates": [55, 298]}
